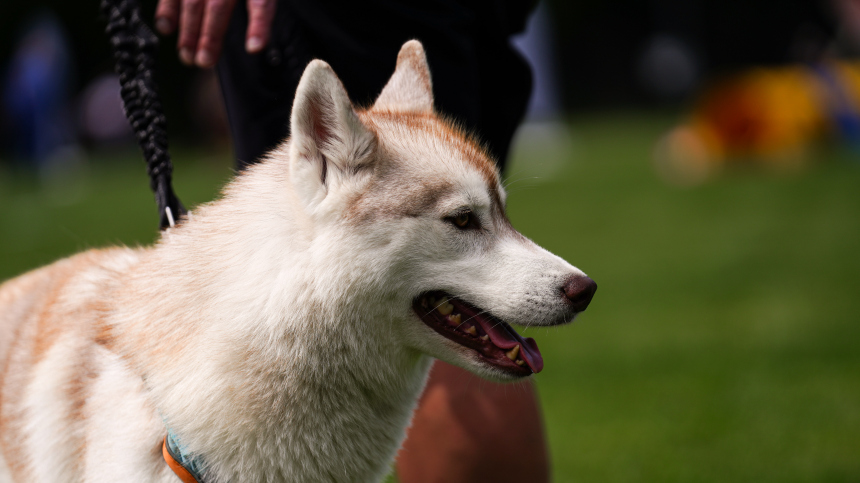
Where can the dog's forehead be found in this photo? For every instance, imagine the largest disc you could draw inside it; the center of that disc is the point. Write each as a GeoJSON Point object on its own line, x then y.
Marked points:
{"type": "Point", "coordinates": [425, 166]}
{"type": "Point", "coordinates": [425, 147]}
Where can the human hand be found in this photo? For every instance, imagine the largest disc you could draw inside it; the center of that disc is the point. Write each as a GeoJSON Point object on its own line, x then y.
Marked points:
{"type": "Point", "coordinates": [202, 24]}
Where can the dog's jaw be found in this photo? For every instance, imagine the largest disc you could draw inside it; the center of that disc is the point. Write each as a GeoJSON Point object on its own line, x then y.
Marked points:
{"type": "Point", "coordinates": [496, 343]}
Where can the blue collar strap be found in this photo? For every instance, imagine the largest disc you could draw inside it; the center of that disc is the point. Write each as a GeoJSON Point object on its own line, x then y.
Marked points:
{"type": "Point", "coordinates": [189, 470]}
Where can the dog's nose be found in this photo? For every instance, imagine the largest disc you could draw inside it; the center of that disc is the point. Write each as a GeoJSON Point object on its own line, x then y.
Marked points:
{"type": "Point", "coordinates": [579, 289]}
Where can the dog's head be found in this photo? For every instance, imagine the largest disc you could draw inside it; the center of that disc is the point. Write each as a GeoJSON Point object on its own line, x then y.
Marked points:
{"type": "Point", "coordinates": [417, 209]}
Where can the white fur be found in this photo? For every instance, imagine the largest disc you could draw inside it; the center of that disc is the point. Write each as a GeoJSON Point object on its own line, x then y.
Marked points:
{"type": "Point", "coordinates": [274, 332]}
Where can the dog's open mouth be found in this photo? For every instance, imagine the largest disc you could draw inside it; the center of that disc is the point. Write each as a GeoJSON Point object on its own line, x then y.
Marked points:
{"type": "Point", "coordinates": [497, 342]}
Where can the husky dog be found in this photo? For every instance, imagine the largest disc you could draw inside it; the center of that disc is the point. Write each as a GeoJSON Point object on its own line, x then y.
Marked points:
{"type": "Point", "coordinates": [286, 331]}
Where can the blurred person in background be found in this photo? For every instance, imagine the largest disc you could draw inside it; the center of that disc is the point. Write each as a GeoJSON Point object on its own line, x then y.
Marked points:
{"type": "Point", "coordinates": [465, 429]}
{"type": "Point", "coordinates": [35, 95]}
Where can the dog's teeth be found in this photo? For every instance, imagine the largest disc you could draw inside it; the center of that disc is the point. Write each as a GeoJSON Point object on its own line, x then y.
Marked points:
{"type": "Point", "coordinates": [512, 354]}
{"type": "Point", "coordinates": [485, 337]}
{"type": "Point", "coordinates": [520, 362]}
{"type": "Point", "coordinates": [453, 320]}
{"type": "Point", "coordinates": [471, 330]}
{"type": "Point", "coordinates": [444, 307]}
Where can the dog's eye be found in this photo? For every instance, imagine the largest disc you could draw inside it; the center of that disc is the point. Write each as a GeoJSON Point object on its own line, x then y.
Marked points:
{"type": "Point", "coordinates": [464, 220]}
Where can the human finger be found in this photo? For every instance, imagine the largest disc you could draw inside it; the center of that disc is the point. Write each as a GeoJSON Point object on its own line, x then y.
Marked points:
{"type": "Point", "coordinates": [260, 15]}
{"type": "Point", "coordinates": [190, 17]}
{"type": "Point", "coordinates": [166, 16]}
{"type": "Point", "coordinates": [216, 18]}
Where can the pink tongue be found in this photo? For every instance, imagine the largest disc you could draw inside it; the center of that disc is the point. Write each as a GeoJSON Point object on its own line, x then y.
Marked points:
{"type": "Point", "coordinates": [507, 339]}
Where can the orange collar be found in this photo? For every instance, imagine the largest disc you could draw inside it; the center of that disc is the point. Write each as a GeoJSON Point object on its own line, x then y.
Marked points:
{"type": "Point", "coordinates": [185, 470]}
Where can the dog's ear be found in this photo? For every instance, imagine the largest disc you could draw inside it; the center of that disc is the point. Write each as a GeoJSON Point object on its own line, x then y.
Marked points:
{"type": "Point", "coordinates": [328, 141]}
{"type": "Point", "coordinates": [410, 88]}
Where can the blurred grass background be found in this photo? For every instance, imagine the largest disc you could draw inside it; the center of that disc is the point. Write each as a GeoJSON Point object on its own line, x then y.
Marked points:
{"type": "Point", "coordinates": [722, 345]}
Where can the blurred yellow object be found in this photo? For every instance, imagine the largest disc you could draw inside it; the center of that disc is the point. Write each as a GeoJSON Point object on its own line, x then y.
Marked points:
{"type": "Point", "coordinates": [769, 115]}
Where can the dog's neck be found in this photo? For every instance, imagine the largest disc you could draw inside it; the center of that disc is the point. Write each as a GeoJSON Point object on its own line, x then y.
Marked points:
{"type": "Point", "coordinates": [279, 377]}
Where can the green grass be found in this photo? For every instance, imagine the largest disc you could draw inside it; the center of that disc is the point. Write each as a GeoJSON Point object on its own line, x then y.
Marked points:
{"type": "Point", "coordinates": [107, 202]}
{"type": "Point", "coordinates": [722, 345]}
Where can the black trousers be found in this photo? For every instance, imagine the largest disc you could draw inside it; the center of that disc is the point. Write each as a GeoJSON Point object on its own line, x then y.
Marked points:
{"type": "Point", "coordinates": [479, 80]}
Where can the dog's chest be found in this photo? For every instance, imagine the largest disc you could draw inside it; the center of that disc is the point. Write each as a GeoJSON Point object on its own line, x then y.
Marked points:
{"type": "Point", "coordinates": [324, 426]}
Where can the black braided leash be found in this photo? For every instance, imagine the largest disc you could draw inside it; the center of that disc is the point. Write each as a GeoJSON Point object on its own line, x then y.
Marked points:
{"type": "Point", "coordinates": [134, 47]}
